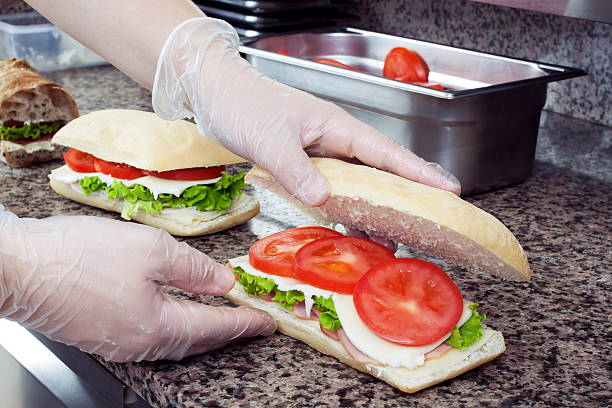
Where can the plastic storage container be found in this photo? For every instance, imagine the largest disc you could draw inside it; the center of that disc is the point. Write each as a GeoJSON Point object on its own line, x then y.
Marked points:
{"type": "Point", "coordinates": [43, 45]}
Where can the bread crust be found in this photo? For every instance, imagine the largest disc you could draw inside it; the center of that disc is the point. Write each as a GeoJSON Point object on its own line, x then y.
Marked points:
{"type": "Point", "coordinates": [143, 140]}
{"type": "Point", "coordinates": [239, 215]}
{"type": "Point", "coordinates": [18, 155]}
{"type": "Point", "coordinates": [27, 96]}
{"type": "Point", "coordinates": [423, 217]}
{"type": "Point", "coordinates": [491, 345]}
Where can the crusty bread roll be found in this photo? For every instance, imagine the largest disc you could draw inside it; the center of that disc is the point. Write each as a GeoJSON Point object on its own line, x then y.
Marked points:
{"type": "Point", "coordinates": [143, 140]}
{"type": "Point", "coordinates": [25, 96]}
{"type": "Point", "coordinates": [423, 217]}
{"type": "Point", "coordinates": [435, 371]}
{"type": "Point", "coordinates": [245, 208]}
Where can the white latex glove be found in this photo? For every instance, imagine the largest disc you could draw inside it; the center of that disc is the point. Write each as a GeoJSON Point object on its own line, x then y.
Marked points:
{"type": "Point", "coordinates": [92, 282]}
{"type": "Point", "coordinates": [200, 74]}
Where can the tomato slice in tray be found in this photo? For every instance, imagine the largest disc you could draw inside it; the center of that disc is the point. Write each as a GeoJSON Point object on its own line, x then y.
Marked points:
{"type": "Point", "coordinates": [117, 170]}
{"type": "Point", "coordinates": [337, 263]}
{"type": "Point", "coordinates": [403, 64]}
{"type": "Point", "coordinates": [408, 301]}
{"type": "Point", "coordinates": [275, 253]}
{"type": "Point", "coordinates": [195, 174]}
{"type": "Point", "coordinates": [79, 161]}
{"type": "Point", "coordinates": [335, 63]}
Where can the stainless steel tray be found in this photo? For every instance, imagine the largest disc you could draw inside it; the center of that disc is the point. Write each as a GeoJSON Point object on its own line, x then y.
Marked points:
{"type": "Point", "coordinates": [483, 129]}
{"type": "Point", "coordinates": [267, 6]}
{"type": "Point", "coordinates": [276, 21]}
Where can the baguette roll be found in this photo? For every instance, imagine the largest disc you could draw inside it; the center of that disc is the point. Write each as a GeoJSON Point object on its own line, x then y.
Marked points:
{"type": "Point", "coordinates": [27, 97]}
{"type": "Point", "coordinates": [423, 217]}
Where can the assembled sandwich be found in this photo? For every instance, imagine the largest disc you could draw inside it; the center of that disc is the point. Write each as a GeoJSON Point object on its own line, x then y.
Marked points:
{"type": "Point", "coordinates": [161, 173]}
{"type": "Point", "coordinates": [32, 109]}
{"type": "Point", "coordinates": [401, 320]}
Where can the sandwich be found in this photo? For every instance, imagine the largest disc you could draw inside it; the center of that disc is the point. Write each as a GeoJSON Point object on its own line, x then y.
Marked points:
{"type": "Point", "coordinates": [160, 173]}
{"type": "Point", "coordinates": [401, 320]}
{"type": "Point", "coordinates": [32, 109]}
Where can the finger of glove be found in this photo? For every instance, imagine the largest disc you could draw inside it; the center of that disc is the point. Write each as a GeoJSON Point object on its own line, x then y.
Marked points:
{"type": "Point", "coordinates": [295, 172]}
{"type": "Point", "coordinates": [197, 328]}
{"type": "Point", "coordinates": [189, 269]}
{"type": "Point", "coordinates": [348, 136]}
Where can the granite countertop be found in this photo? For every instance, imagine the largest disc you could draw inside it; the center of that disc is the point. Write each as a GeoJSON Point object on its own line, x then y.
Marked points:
{"type": "Point", "coordinates": [557, 327]}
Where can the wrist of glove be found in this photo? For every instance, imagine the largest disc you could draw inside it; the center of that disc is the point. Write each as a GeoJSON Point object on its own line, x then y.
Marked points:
{"type": "Point", "coordinates": [93, 283]}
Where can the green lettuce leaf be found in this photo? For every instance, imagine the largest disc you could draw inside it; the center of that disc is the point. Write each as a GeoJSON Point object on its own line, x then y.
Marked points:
{"type": "Point", "coordinates": [328, 318]}
{"type": "Point", "coordinates": [288, 299]}
{"type": "Point", "coordinates": [30, 131]}
{"type": "Point", "coordinates": [469, 332]}
{"type": "Point", "coordinates": [215, 197]}
{"type": "Point", "coordinates": [255, 285]}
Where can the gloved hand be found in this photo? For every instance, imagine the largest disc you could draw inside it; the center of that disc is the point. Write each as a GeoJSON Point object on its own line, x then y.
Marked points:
{"type": "Point", "coordinates": [92, 282]}
{"type": "Point", "coordinates": [200, 74]}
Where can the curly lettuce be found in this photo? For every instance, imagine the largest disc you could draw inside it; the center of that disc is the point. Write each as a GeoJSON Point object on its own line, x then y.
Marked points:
{"type": "Point", "coordinates": [30, 131]}
{"type": "Point", "coordinates": [256, 285]}
{"type": "Point", "coordinates": [469, 332]}
{"type": "Point", "coordinates": [211, 197]}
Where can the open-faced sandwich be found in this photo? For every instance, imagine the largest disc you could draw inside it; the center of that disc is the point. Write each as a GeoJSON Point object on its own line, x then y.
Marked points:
{"type": "Point", "coordinates": [402, 320]}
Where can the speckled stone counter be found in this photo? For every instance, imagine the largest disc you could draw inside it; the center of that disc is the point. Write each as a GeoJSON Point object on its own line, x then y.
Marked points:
{"type": "Point", "coordinates": [557, 327]}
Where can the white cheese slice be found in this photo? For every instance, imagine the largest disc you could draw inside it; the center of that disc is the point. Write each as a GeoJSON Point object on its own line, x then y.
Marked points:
{"type": "Point", "coordinates": [157, 185]}
{"type": "Point", "coordinates": [388, 353]}
{"type": "Point", "coordinates": [284, 284]}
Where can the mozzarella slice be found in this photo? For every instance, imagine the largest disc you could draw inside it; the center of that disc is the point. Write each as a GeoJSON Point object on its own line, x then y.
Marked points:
{"type": "Point", "coordinates": [157, 185]}
{"type": "Point", "coordinates": [388, 353]}
{"type": "Point", "coordinates": [284, 284]}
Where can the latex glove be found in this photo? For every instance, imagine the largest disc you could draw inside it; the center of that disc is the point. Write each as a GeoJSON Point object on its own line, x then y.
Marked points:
{"type": "Point", "coordinates": [92, 282]}
{"type": "Point", "coordinates": [200, 74]}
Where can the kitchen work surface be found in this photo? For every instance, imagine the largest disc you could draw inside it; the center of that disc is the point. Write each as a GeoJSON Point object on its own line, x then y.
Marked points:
{"type": "Point", "coordinates": [557, 327]}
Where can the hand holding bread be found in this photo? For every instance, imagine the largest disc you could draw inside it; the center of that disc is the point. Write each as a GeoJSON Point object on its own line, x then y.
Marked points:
{"type": "Point", "coordinates": [93, 283]}
{"type": "Point", "coordinates": [200, 74]}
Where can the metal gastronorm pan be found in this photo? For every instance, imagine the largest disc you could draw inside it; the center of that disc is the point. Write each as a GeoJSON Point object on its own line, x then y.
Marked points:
{"type": "Point", "coordinates": [483, 129]}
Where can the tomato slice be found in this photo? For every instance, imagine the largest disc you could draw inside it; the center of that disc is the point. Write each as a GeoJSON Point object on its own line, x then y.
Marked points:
{"type": "Point", "coordinates": [275, 253]}
{"type": "Point", "coordinates": [79, 161]}
{"type": "Point", "coordinates": [337, 263]}
{"type": "Point", "coordinates": [433, 85]}
{"type": "Point", "coordinates": [117, 170]}
{"type": "Point", "coordinates": [195, 174]}
{"type": "Point", "coordinates": [408, 301]}
{"type": "Point", "coordinates": [335, 63]}
{"type": "Point", "coordinates": [284, 52]}
{"type": "Point", "coordinates": [403, 64]}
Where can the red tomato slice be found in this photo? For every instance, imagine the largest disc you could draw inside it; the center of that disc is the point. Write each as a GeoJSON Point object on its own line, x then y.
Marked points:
{"type": "Point", "coordinates": [403, 64]}
{"type": "Point", "coordinates": [337, 263]}
{"type": "Point", "coordinates": [433, 85]}
{"type": "Point", "coordinates": [284, 52]}
{"type": "Point", "coordinates": [117, 170]}
{"type": "Point", "coordinates": [275, 253]}
{"type": "Point", "coordinates": [335, 63]}
{"type": "Point", "coordinates": [408, 301]}
{"type": "Point", "coordinates": [79, 161]}
{"type": "Point", "coordinates": [195, 174]}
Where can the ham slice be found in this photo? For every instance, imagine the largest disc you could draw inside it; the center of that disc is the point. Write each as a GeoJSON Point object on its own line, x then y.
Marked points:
{"type": "Point", "coordinates": [268, 297]}
{"type": "Point", "coordinates": [332, 334]}
{"type": "Point", "coordinates": [438, 352]}
{"type": "Point", "coordinates": [300, 312]}
{"type": "Point", "coordinates": [354, 351]}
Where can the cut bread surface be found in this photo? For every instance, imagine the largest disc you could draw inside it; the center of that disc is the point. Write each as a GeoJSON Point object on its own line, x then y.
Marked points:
{"type": "Point", "coordinates": [143, 140]}
{"type": "Point", "coordinates": [423, 217]}
{"type": "Point", "coordinates": [25, 96]}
